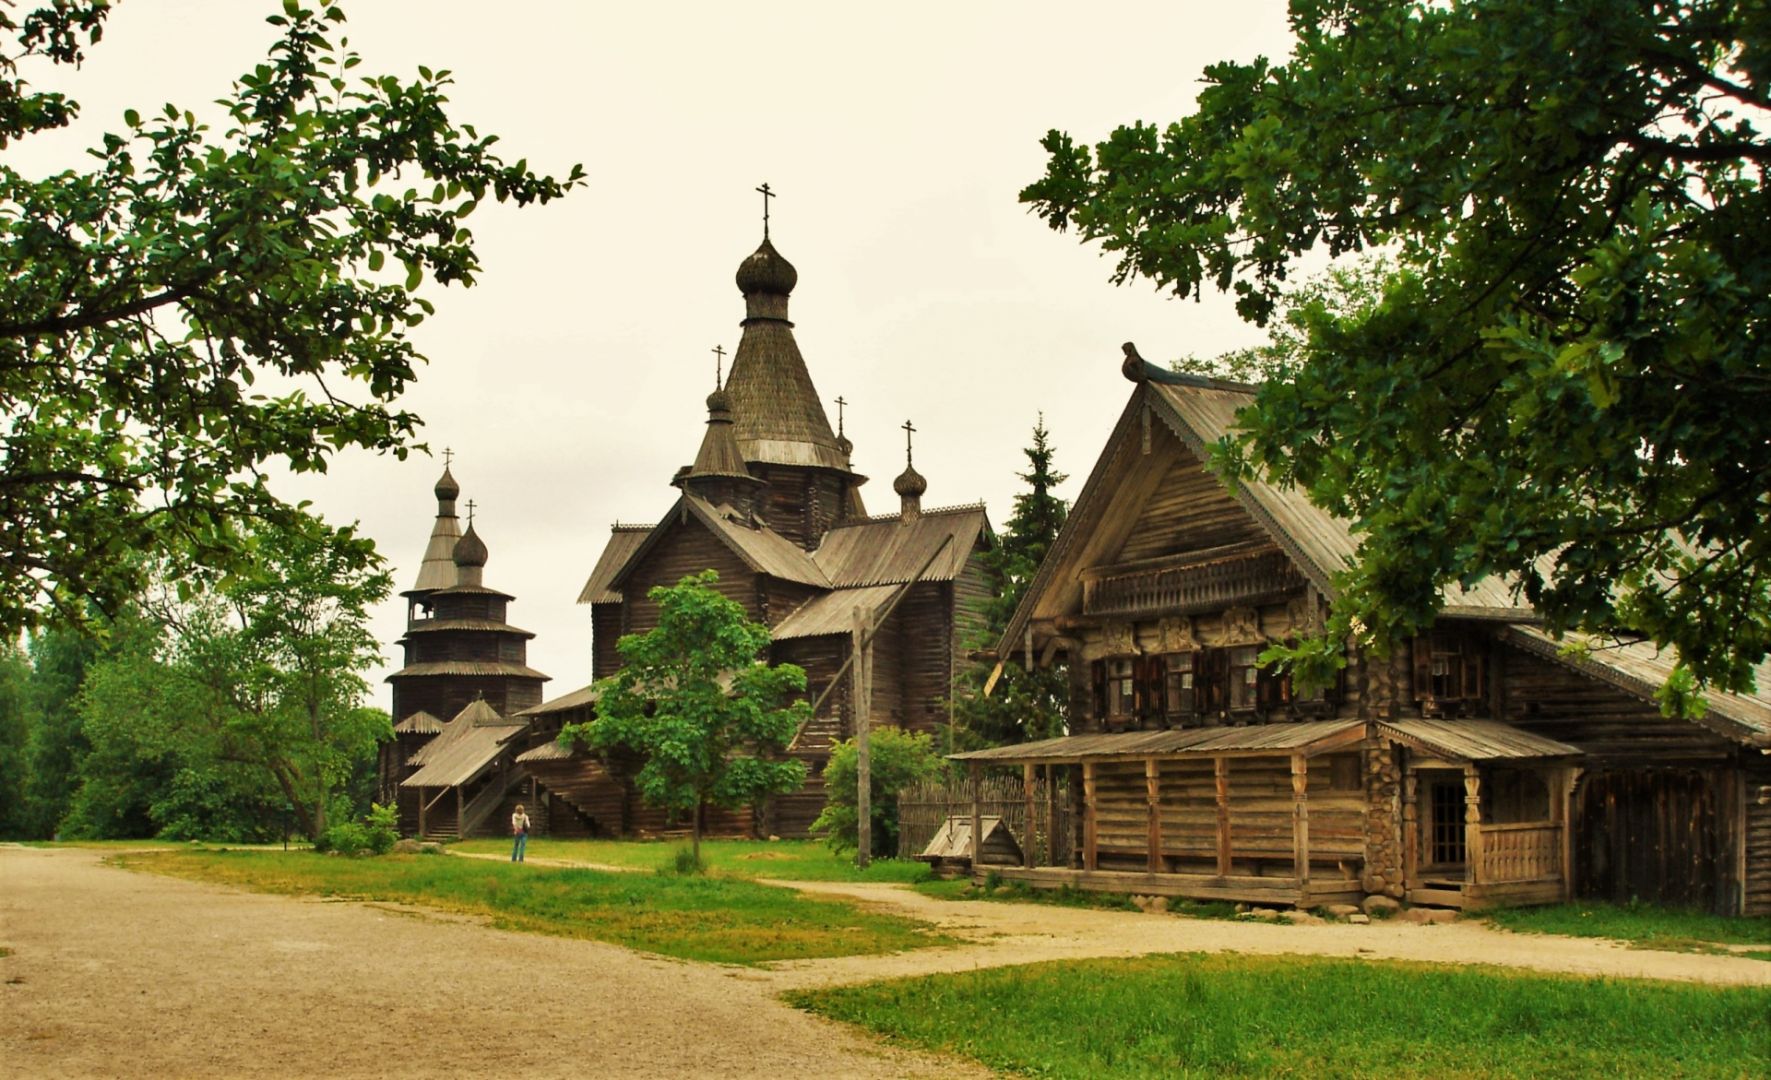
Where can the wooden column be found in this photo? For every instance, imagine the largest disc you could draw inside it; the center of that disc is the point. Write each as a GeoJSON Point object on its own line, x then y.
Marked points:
{"type": "Point", "coordinates": [1472, 824]}
{"type": "Point", "coordinates": [1300, 821]}
{"type": "Point", "coordinates": [1571, 777]}
{"type": "Point", "coordinates": [1153, 796]}
{"type": "Point", "coordinates": [1029, 779]}
{"type": "Point", "coordinates": [975, 772]}
{"type": "Point", "coordinates": [863, 759]}
{"type": "Point", "coordinates": [1088, 815]}
{"type": "Point", "coordinates": [1221, 771]}
{"type": "Point", "coordinates": [460, 808]}
{"type": "Point", "coordinates": [422, 807]}
{"type": "Point", "coordinates": [1410, 825]}
{"type": "Point", "coordinates": [1051, 820]}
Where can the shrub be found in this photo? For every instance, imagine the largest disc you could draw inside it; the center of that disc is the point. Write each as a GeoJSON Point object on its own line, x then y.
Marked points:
{"type": "Point", "coordinates": [374, 835]}
{"type": "Point", "coordinates": [899, 759]}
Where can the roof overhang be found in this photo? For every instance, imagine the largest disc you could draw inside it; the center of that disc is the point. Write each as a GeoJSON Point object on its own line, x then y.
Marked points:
{"type": "Point", "coordinates": [1262, 740]}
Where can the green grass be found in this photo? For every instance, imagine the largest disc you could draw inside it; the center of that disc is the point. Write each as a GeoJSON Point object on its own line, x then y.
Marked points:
{"type": "Point", "coordinates": [1222, 1015]}
{"type": "Point", "coordinates": [786, 860]}
{"type": "Point", "coordinates": [696, 918]}
{"type": "Point", "coordinates": [1643, 926]}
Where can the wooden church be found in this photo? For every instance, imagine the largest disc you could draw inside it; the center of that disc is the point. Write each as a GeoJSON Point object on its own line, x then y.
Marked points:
{"type": "Point", "coordinates": [770, 501]}
{"type": "Point", "coordinates": [1479, 764]}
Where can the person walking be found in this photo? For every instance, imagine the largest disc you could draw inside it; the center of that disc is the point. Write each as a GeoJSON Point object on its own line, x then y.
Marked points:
{"type": "Point", "coordinates": [519, 829]}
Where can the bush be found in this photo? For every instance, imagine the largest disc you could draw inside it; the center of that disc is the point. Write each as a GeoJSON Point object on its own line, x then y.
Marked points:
{"type": "Point", "coordinates": [374, 835]}
{"type": "Point", "coordinates": [899, 759]}
{"type": "Point", "coordinates": [683, 862]}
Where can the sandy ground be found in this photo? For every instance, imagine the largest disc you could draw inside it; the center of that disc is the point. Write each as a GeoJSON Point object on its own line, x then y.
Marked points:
{"type": "Point", "coordinates": [114, 973]}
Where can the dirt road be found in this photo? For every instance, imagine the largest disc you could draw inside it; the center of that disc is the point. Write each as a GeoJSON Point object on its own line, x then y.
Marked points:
{"type": "Point", "coordinates": [113, 973]}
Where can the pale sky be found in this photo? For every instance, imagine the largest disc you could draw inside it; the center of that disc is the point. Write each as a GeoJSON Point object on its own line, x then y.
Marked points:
{"type": "Point", "coordinates": [570, 382]}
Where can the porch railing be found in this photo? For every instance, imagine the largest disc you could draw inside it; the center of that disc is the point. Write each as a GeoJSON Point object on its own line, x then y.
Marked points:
{"type": "Point", "coordinates": [1531, 852]}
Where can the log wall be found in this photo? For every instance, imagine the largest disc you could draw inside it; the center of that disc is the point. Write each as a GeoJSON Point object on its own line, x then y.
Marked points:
{"type": "Point", "coordinates": [1756, 872]}
{"type": "Point", "coordinates": [1612, 727]}
{"type": "Point", "coordinates": [1190, 510]}
{"type": "Point", "coordinates": [688, 548]}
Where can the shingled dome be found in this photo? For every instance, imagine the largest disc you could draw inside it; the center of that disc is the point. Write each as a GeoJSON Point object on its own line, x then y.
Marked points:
{"type": "Point", "coordinates": [909, 483]}
{"type": "Point", "coordinates": [470, 550]}
{"type": "Point", "coordinates": [765, 271]}
{"type": "Point", "coordinates": [446, 487]}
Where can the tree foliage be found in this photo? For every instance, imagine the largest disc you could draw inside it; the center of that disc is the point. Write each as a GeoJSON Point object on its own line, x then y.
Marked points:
{"type": "Point", "coordinates": [896, 760]}
{"type": "Point", "coordinates": [201, 301]}
{"type": "Point", "coordinates": [1563, 381]}
{"type": "Point", "coordinates": [1024, 704]}
{"type": "Point", "coordinates": [708, 718]}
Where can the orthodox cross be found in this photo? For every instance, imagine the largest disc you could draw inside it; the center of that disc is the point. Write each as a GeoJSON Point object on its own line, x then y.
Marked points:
{"type": "Point", "coordinates": [448, 457]}
{"type": "Point", "coordinates": [839, 404]}
{"type": "Point", "coordinates": [719, 366]}
{"type": "Point", "coordinates": [470, 513]}
{"type": "Point", "coordinates": [909, 430]}
{"type": "Point", "coordinates": [767, 195]}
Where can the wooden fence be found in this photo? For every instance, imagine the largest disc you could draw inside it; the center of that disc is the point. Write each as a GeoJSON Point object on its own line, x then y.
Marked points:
{"type": "Point", "coordinates": [923, 807]}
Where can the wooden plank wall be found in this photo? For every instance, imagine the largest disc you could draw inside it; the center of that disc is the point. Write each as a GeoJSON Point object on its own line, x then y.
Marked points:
{"type": "Point", "coordinates": [1614, 728]}
{"type": "Point", "coordinates": [1189, 511]}
{"type": "Point", "coordinates": [1756, 883]}
{"type": "Point", "coordinates": [605, 631]}
{"type": "Point", "coordinates": [925, 641]}
{"type": "Point", "coordinates": [687, 549]}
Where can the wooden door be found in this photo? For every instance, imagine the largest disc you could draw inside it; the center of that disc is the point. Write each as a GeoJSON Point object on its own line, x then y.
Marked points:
{"type": "Point", "coordinates": [1652, 835]}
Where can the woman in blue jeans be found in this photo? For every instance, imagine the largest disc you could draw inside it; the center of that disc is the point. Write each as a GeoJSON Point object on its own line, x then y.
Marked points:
{"type": "Point", "coordinates": [519, 828]}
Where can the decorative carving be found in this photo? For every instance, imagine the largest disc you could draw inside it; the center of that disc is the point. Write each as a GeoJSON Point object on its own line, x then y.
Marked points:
{"type": "Point", "coordinates": [1118, 639]}
{"type": "Point", "coordinates": [1177, 635]}
{"type": "Point", "coordinates": [1241, 626]}
{"type": "Point", "coordinates": [1304, 613]}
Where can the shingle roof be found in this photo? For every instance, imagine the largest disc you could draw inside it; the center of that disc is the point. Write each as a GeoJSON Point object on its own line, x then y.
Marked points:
{"type": "Point", "coordinates": [832, 613]}
{"type": "Point", "coordinates": [762, 548]}
{"type": "Point", "coordinates": [425, 626]}
{"type": "Point", "coordinates": [585, 695]}
{"type": "Point", "coordinates": [466, 667]}
{"type": "Point", "coordinates": [419, 723]}
{"type": "Point", "coordinates": [1640, 668]}
{"type": "Point", "coordinates": [1475, 740]}
{"type": "Point", "coordinates": [1256, 741]}
{"type": "Point", "coordinates": [887, 550]}
{"type": "Point", "coordinates": [437, 570]}
{"type": "Point", "coordinates": [624, 540]}
{"type": "Point", "coordinates": [477, 713]}
{"type": "Point", "coordinates": [463, 758]}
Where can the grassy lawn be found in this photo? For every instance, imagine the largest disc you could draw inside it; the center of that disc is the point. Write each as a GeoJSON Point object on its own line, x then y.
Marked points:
{"type": "Point", "coordinates": [1209, 1016]}
{"type": "Point", "coordinates": [1015, 892]}
{"type": "Point", "coordinates": [696, 918]}
{"type": "Point", "coordinates": [788, 860]}
{"type": "Point", "coordinates": [1643, 926]}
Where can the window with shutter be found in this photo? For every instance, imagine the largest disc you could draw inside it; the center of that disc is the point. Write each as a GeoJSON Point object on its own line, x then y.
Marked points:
{"type": "Point", "coordinates": [1245, 678]}
{"type": "Point", "coordinates": [1449, 672]}
{"type": "Point", "coordinates": [1180, 692]}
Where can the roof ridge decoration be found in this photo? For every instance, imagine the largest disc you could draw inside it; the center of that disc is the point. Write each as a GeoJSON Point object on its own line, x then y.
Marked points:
{"type": "Point", "coordinates": [875, 519]}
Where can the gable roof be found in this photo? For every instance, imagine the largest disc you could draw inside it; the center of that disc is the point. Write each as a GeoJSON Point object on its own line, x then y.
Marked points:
{"type": "Point", "coordinates": [624, 540]}
{"type": "Point", "coordinates": [461, 759]}
{"type": "Point", "coordinates": [889, 551]}
{"type": "Point", "coordinates": [832, 613]}
{"type": "Point", "coordinates": [761, 548]}
{"type": "Point", "coordinates": [1199, 412]}
{"type": "Point", "coordinates": [419, 723]}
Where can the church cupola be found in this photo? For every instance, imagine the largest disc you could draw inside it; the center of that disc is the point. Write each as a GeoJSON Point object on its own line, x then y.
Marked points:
{"type": "Point", "coordinates": [719, 474]}
{"type": "Point", "coordinates": [470, 555]}
{"type": "Point", "coordinates": [910, 484]}
{"type": "Point", "coordinates": [437, 570]}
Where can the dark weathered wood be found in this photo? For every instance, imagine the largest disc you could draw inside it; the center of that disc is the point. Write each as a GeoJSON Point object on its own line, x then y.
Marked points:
{"type": "Point", "coordinates": [1089, 819]}
{"type": "Point", "coordinates": [1030, 785]}
{"type": "Point", "coordinates": [1153, 793]}
{"type": "Point", "coordinates": [1221, 776]}
{"type": "Point", "coordinates": [1300, 794]}
{"type": "Point", "coordinates": [977, 814]}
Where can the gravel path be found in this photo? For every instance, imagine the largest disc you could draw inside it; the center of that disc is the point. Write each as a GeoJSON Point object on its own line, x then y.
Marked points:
{"type": "Point", "coordinates": [113, 973]}
{"type": "Point", "coordinates": [1005, 933]}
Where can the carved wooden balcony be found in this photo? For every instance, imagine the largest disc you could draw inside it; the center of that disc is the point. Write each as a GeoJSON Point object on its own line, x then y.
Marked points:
{"type": "Point", "coordinates": [1207, 581]}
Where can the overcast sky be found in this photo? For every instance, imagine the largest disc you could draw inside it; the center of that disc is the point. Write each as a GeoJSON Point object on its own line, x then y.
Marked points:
{"type": "Point", "coordinates": [570, 382]}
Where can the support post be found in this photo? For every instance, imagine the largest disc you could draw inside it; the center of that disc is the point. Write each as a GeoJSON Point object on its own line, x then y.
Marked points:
{"type": "Point", "coordinates": [1088, 815]}
{"type": "Point", "coordinates": [460, 809]}
{"type": "Point", "coordinates": [1300, 822]}
{"type": "Point", "coordinates": [1472, 825]}
{"type": "Point", "coordinates": [1153, 796]}
{"type": "Point", "coordinates": [1029, 781]}
{"type": "Point", "coordinates": [1221, 773]}
{"type": "Point", "coordinates": [1410, 825]}
{"type": "Point", "coordinates": [1571, 778]}
{"type": "Point", "coordinates": [422, 807]}
{"type": "Point", "coordinates": [975, 773]}
{"type": "Point", "coordinates": [863, 759]}
{"type": "Point", "coordinates": [1051, 820]}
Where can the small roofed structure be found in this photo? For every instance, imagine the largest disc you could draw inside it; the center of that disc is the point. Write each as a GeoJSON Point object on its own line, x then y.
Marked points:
{"type": "Point", "coordinates": [951, 850]}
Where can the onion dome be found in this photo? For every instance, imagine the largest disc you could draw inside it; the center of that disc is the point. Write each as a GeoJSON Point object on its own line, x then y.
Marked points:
{"type": "Point", "coordinates": [847, 446]}
{"type": "Point", "coordinates": [719, 406]}
{"type": "Point", "coordinates": [470, 550]}
{"type": "Point", "coordinates": [909, 484]}
{"type": "Point", "coordinates": [447, 489]}
{"type": "Point", "coordinates": [765, 271]}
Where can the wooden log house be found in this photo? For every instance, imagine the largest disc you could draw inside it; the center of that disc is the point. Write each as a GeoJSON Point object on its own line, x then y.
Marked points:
{"type": "Point", "coordinates": [1480, 764]}
{"type": "Point", "coordinates": [772, 502]}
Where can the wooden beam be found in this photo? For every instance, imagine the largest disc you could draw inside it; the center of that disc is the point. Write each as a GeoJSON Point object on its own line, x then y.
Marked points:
{"type": "Point", "coordinates": [1153, 795]}
{"type": "Point", "coordinates": [1051, 821]}
{"type": "Point", "coordinates": [1088, 815]}
{"type": "Point", "coordinates": [1472, 825]}
{"type": "Point", "coordinates": [1221, 772]}
{"type": "Point", "coordinates": [861, 652]}
{"type": "Point", "coordinates": [1029, 781]}
{"type": "Point", "coordinates": [1410, 823]}
{"type": "Point", "coordinates": [1571, 778]}
{"type": "Point", "coordinates": [1300, 819]}
{"type": "Point", "coordinates": [975, 773]}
